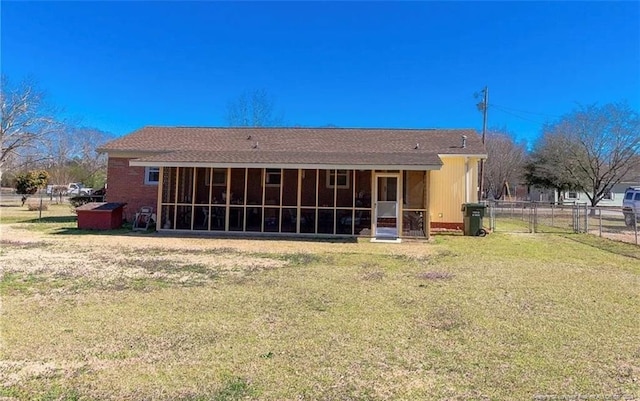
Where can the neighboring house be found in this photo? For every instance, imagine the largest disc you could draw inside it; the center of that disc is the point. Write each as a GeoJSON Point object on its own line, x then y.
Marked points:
{"type": "Point", "coordinates": [612, 199]}
{"type": "Point", "coordinates": [615, 197]}
{"type": "Point", "coordinates": [378, 183]}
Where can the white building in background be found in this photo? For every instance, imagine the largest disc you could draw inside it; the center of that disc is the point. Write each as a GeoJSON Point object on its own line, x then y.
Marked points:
{"type": "Point", "coordinates": [612, 199]}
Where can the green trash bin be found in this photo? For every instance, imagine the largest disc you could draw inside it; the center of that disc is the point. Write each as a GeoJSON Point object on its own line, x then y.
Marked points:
{"type": "Point", "coordinates": [473, 214]}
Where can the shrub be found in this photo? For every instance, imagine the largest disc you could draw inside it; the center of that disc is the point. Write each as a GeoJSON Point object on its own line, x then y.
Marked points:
{"type": "Point", "coordinates": [33, 206]}
{"type": "Point", "coordinates": [29, 183]}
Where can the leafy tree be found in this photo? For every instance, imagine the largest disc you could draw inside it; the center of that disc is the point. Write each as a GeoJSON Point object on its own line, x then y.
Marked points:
{"type": "Point", "coordinates": [590, 149]}
{"type": "Point", "coordinates": [29, 183]}
{"type": "Point", "coordinates": [253, 109]}
{"type": "Point", "coordinates": [542, 169]}
{"type": "Point", "coordinates": [505, 162]}
{"type": "Point", "coordinates": [25, 121]}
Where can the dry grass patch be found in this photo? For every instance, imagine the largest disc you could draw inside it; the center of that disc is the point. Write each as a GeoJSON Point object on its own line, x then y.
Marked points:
{"type": "Point", "coordinates": [91, 268]}
{"type": "Point", "coordinates": [32, 206]}
{"type": "Point", "coordinates": [435, 275]}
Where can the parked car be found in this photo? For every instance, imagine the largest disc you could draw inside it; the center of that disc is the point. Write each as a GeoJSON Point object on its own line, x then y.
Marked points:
{"type": "Point", "coordinates": [76, 188]}
{"type": "Point", "coordinates": [631, 205]}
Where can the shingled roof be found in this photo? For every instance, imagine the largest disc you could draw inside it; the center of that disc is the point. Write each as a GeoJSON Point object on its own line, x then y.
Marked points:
{"type": "Point", "coordinates": [288, 147]}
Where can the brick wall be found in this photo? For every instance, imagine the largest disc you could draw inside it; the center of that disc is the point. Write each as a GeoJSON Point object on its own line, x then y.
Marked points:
{"type": "Point", "coordinates": [126, 184]}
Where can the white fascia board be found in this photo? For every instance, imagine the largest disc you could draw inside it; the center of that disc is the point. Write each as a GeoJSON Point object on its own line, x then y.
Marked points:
{"type": "Point", "coordinates": [128, 154]}
{"type": "Point", "coordinates": [468, 155]}
{"type": "Point", "coordinates": [137, 163]}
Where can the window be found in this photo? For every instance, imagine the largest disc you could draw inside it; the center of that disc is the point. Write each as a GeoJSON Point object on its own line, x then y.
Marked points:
{"type": "Point", "coordinates": [338, 178]}
{"type": "Point", "coordinates": [572, 195]}
{"type": "Point", "coordinates": [608, 195]}
{"type": "Point", "coordinates": [219, 176]}
{"type": "Point", "coordinates": [151, 175]}
{"type": "Point", "coordinates": [274, 177]}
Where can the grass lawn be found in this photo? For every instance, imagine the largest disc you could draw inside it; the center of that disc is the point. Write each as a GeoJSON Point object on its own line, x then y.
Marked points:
{"type": "Point", "coordinates": [131, 316]}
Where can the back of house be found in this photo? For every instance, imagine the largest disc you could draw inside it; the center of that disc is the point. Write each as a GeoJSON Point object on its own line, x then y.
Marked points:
{"type": "Point", "coordinates": [385, 184]}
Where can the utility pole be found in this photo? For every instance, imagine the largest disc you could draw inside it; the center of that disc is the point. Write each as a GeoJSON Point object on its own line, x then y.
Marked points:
{"type": "Point", "coordinates": [483, 107]}
{"type": "Point", "coordinates": [485, 104]}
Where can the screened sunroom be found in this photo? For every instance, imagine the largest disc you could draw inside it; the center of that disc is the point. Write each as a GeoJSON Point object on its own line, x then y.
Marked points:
{"type": "Point", "coordinates": [384, 204]}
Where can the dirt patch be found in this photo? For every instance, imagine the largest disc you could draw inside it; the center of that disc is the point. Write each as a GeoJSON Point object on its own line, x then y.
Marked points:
{"type": "Point", "coordinates": [623, 236]}
{"type": "Point", "coordinates": [102, 265]}
{"type": "Point", "coordinates": [121, 260]}
{"type": "Point", "coordinates": [13, 372]}
{"type": "Point", "coordinates": [435, 275]}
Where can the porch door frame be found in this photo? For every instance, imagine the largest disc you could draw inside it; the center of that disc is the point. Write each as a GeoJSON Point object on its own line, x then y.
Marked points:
{"type": "Point", "coordinates": [376, 190]}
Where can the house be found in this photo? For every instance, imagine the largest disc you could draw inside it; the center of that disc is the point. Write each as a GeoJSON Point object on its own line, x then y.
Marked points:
{"type": "Point", "coordinates": [378, 183]}
{"type": "Point", "coordinates": [612, 199]}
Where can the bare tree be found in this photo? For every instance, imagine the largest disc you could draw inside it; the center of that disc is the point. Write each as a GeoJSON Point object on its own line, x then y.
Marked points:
{"type": "Point", "coordinates": [25, 123]}
{"type": "Point", "coordinates": [74, 157]}
{"type": "Point", "coordinates": [505, 162]}
{"type": "Point", "coordinates": [253, 109]}
{"type": "Point", "coordinates": [60, 148]}
{"type": "Point", "coordinates": [591, 149]}
{"type": "Point", "coordinates": [94, 164]}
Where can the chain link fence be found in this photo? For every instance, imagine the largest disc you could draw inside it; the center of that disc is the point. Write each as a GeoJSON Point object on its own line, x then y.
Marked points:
{"type": "Point", "coordinates": [541, 217]}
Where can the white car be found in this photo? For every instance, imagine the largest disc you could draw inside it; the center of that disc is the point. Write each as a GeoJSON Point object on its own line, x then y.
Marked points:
{"type": "Point", "coordinates": [75, 189]}
{"type": "Point", "coordinates": [631, 205]}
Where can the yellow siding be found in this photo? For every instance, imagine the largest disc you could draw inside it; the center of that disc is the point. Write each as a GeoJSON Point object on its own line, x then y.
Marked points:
{"type": "Point", "coordinates": [451, 186]}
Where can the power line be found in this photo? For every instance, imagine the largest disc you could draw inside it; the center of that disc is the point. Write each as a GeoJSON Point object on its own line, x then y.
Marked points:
{"type": "Point", "coordinates": [525, 112]}
{"type": "Point", "coordinates": [516, 115]}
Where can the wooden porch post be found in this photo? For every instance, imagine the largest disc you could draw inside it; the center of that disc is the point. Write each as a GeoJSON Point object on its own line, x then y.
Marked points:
{"type": "Point", "coordinates": [427, 193]}
{"type": "Point", "coordinates": [159, 200]}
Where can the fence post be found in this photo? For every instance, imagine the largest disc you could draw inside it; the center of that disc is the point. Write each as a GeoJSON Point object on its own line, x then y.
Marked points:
{"type": "Point", "coordinates": [492, 215]}
{"type": "Point", "coordinates": [635, 225]}
{"type": "Point", "coordinates": [586, 217]}
{"type": "Point", "coordinates": [553, 205]}
{"type": "Point", "coordinates": [600, 222]}
{"type": "Point", "coordinates": [575, 213]}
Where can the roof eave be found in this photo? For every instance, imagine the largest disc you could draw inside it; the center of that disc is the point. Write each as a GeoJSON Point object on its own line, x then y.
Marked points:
{"type": "Point", "coordinates": [322, 166]}
{"type": "Point", "coordinates": [474, 155]}
{"type": "Point", "coordinates": [130, 153]}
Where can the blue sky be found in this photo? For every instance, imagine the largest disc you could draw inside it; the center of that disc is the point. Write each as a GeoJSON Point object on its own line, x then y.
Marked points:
{"type": "Point", "coordinates": [122, 65]}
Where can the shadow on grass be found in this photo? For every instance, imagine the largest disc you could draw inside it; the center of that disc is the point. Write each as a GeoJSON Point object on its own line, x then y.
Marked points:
{"type": "Point", "coordinates": [607, 245]}
{"type": "Point", "coordinates": [258, 236]}
{"type": "Point", "coordinates": [128, 231]}
{"type": "Point", "coordinates": [72, 231]}
{"type": "Point", "coordinates": [52, 220]}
